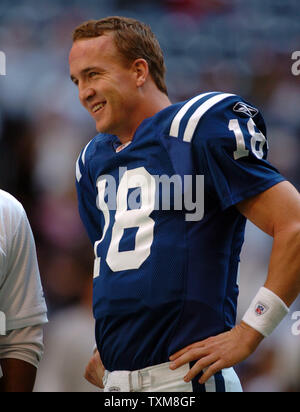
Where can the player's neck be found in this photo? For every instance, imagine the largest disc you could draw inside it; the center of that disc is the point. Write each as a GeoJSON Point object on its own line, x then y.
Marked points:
{"type": "Point", "coordinates": [149, 107]}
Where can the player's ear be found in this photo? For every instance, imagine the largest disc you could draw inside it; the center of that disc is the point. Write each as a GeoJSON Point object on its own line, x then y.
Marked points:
{"type": "Point", "coordinates": [141, 71]}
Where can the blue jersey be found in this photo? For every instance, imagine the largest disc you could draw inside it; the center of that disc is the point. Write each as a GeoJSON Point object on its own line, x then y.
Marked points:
{"type": "Point", "coordinates": [165, 275]}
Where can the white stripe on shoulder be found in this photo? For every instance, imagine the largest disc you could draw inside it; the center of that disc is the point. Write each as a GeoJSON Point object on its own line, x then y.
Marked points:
{"type": "Point", "coordinates": [83, 153]}
{"type": "Point", "coordinates": [202, 109]}
{"type": "Point", "coordinates": [78, 172]}
{"type": "Point", "coordinates": [174, 130]}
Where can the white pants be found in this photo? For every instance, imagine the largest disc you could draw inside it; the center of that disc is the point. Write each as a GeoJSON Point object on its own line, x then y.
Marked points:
{"type": "Point", "coordinates": [160, 378]}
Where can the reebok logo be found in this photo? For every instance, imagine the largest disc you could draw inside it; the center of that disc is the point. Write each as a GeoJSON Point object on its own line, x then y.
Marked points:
{"type": "Point", "coordinates": [244, 108]}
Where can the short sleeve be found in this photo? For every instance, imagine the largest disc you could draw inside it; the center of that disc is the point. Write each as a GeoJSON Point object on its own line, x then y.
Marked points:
{"type": "Point", "coordinates": [21, 294]}
{"type": "Point", "coordinates": [230, 147]}
{"type": "Point", "coordinates": [86, 194]}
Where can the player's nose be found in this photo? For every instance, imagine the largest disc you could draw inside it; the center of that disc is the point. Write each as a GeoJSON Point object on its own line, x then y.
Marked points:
{"type": "Point", "coordinates": [85, 94]}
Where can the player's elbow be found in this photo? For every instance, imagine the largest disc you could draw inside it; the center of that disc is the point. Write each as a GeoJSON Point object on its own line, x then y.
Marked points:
{"type": "Point", "coordinates": [289, 239]}
{"type": "Point", "coordinates": [295, 234]}
{"type": "Point", "coordinates": [291, 229]}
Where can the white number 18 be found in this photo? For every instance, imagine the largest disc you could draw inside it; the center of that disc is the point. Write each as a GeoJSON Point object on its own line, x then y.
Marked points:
{"type": "Point", "coordinates": [256, 137]}
{"type": "Point", "coordinates": [126, 218]}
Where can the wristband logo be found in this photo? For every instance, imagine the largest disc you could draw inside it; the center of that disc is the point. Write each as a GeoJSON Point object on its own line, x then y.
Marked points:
{"type": "Point", "coordinates": [260, 309]}
{"type": "Point", "coordinates": [2, 324]}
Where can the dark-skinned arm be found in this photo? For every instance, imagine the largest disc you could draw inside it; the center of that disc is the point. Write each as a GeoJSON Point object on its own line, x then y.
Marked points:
{"type": "Point", "coordinates": [18, 376]}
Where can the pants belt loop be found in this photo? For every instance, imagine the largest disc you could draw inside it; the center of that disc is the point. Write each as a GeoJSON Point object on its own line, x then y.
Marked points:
{"type": "Point", "coordinates": [136, 383]}
{"type": "Point", "coordinates": [105, 377]}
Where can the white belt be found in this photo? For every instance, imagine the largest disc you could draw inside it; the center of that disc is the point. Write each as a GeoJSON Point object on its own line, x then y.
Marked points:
{"type": "Point", "coordinates": [135, 381]}
{"type": "Point", "coordinates": [160, 378]}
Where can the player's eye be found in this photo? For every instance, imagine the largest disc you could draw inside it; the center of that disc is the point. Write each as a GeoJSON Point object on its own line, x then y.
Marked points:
{"type": "Point", "coordinates": [75, 81]}
{"type": "Point", "coordinates": [93, 74]}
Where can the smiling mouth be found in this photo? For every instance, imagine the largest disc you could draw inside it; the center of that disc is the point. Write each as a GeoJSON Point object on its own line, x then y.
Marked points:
{"type": "Point", "coordinates": [98, 107]}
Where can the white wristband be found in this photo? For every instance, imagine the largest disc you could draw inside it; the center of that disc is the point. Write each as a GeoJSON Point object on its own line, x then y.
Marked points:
{"type": "Point", "coordinates": [265, 312]}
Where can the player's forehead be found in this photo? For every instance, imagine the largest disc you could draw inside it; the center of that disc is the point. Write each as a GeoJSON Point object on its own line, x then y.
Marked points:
{"type": "Point", "coordinates": [92, 52]}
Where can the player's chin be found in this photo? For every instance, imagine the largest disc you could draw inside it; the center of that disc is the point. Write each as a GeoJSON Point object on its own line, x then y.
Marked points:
{"type": "Point", "coordinates": [105, 127]}
{"type": "Point", "coordinates": [101, 127]}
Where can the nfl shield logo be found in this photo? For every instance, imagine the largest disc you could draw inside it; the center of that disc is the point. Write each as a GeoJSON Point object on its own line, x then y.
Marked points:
{"type": "Point", "coordinates": [260, 308]}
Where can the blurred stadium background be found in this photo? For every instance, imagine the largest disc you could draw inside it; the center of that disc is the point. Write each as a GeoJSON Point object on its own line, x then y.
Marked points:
{"type": "Point", "coordinates": [243, 47]}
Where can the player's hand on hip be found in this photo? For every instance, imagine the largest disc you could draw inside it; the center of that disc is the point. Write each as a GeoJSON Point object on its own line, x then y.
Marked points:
{"type": "Point", "coordinates": [94, 371]}
{"type": "Point", "coordinates": [217, 352]}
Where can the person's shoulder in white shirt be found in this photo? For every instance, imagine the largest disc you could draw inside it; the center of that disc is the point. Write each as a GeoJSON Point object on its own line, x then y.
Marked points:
{"type": "Point", "coordinates": [22, 302]}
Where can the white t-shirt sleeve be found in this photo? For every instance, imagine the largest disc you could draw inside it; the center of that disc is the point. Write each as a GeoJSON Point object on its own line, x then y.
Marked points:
{"type": "Point", "coordinates": [25, 344]}
{"type": "Point", "coordinates": [21, 294]}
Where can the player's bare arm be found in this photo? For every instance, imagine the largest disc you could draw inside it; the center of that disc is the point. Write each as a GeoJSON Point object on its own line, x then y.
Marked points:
{"type": "Point", "coordinates": [18, 376]}
{"type": "Point", "coordinates": [277, 212]}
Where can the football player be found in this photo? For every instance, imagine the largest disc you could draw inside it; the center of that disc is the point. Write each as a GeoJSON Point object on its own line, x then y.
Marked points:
{"type": "Point", "coordinates": [165, 279]}
{"type": "Point", "coordinates": [22, 305]}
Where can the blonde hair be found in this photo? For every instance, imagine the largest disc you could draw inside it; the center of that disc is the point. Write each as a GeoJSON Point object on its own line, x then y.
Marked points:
{"type": "Point", "coordinates": [133, 39]}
